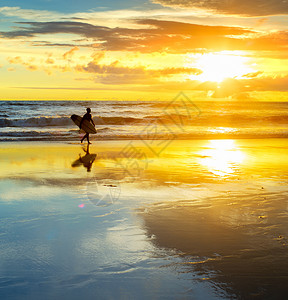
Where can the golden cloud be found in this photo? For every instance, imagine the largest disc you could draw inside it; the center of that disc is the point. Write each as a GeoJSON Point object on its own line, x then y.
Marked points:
{"type": "Point", "coordinates": [70, 53]}
{"type": "Point", "coordinates": [232, 7]}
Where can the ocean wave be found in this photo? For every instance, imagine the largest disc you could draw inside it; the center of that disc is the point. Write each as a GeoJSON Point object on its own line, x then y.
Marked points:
{"type": "Point", "coordinates": [202, 120]}
{"type": "Point", "coordinates": [26, 134]}
{"type": "Point", "coordinates": [35, 122]}
{"type": "Point", "coordinates": [120, 120]}
{"type": "Point", "coordinates": [20, 103]}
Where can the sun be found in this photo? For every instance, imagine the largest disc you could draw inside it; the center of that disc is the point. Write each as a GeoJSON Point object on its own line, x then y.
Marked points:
{"type": "Point", "coordinates": [217, 66]}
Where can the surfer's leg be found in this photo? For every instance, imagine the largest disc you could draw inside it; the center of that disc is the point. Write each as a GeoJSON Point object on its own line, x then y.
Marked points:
{"type": "Point", "coordinates": [85, 136]}
{"type": "Point", "coordinates": [88, 138]}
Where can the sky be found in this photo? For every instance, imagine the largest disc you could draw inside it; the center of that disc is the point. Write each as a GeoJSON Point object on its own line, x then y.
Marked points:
{"type": "Point", "coordinates": [144, 50]}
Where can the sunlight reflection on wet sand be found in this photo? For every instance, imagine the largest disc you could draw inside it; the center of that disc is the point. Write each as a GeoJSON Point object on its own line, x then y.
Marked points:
{"type": "Point", "coordinates": [220, 205]}
{"type": "Point", "coordinates": [221, 157]}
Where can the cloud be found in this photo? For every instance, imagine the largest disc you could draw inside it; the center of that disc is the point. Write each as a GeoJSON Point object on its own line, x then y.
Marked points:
{"type": "Point", "coordinates": [253, 75]}
{"type": "Point", "coordinates": [267, 83]}
{"type": "Point", "coordinates": [243, 96]}
{"type": "Point", "coordinates": [103, 72]}
{"type": "Point", "coordinates": [116, 68]}
{"type": "Point", "coordinates": [159, 36]}
{"type": "Point", "coordinates": [240, 88]}
{"type": "Point", "coordinates": [29, 14]}
{"type": "Point", "coordinates": [188, 29]}
{"type": "Point", "coordinates": [37, 28]}
{"type": "Point", "coordinates": [69, 54]}
{"type": "Point", "coordinates": [114, 17]}
{"type": "Point", "coordinates": [117, 74]}
{"type": "Point", "coordinates": [232, 7]}
{"type": "Point", "coordinates": [15, 60]}
{"type": "Point", "coordinates": [169, 36]}
{"type": "Point", "coordinates": [50, 61]}
{"type": "Point", "coordinates": [261, 21]}
{"type": "Point", "coordinates": [18, 60]}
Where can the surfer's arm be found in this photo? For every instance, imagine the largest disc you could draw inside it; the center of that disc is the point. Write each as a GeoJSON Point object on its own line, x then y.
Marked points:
{"type": "Point", "coordinates": [91, 120]}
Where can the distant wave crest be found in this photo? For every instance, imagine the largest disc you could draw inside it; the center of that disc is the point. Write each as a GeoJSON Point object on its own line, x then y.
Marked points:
{"type": "Point", "coordinates": [35, 122]}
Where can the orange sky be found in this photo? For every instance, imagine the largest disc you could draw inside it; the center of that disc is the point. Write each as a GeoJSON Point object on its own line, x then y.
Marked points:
{"type": "Point", "coordinates": [225, 50]}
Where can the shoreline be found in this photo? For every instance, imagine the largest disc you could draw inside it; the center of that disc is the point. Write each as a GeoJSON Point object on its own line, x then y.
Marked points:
{"type": "Point", "coordinates": [139, 139]}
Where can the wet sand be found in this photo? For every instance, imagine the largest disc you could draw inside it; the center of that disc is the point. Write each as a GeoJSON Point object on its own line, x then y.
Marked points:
{"type": "Point", "coordinates": [212, 212]}
{"type": "Point", "coordinates": [237, 236]}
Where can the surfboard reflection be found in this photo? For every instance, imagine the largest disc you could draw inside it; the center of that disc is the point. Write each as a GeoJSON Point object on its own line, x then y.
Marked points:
{"type": "Point", "coordinates": [85, 160]}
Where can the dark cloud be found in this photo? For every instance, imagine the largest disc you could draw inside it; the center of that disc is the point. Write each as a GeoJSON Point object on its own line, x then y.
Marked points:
{"type": "Point", "coordinates": [168, 36]}
{"type": "Point", "coordinates": [163, 35]}
{"type": "Point", "coordinates": [36, 28]}
{"type": "Point", "coordinates": [238, 7]}
{"type": "Point", "coordinates": [107, 38]}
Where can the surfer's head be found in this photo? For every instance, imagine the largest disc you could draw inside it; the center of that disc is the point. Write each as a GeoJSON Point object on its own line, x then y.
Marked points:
{"type": "Point", "coordinates": [88, 110]}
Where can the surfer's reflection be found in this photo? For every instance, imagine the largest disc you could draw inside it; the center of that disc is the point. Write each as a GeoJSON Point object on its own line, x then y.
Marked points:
{"type": "Point", "coordinates": [86, 160]}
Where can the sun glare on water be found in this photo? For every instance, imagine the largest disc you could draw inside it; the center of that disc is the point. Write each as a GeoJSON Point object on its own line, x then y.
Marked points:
{"type": "Point", "coordinates": [221, 157]}
{"type": "Point", "coordinates": [218, 66]}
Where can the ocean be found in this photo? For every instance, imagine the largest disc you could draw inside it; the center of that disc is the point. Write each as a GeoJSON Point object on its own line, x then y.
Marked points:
{"type": "Point", "coordinates": [180, 118]}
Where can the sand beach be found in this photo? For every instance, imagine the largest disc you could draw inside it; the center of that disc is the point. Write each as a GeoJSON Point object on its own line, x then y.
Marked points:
{"type": "Point", "coordinates": [204, 219]}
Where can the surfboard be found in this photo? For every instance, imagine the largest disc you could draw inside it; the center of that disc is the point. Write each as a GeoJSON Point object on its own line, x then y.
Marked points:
{"type": "Point", "coordinates": [86, 125]}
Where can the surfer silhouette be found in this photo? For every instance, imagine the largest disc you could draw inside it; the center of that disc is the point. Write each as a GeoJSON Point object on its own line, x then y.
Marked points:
{"type": "Point", "coordinates": [87, 117]}
{"type": "Point", "coordinates": [86, 160]}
